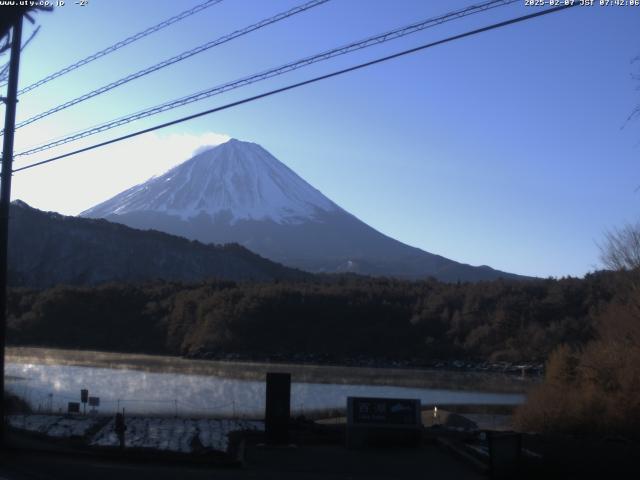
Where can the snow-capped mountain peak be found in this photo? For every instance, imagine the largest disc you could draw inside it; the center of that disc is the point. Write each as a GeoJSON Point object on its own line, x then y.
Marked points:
{"type": "Point", "coordinates": [238, 192]}
{"type": "Point", "coordinates": [240, 180]}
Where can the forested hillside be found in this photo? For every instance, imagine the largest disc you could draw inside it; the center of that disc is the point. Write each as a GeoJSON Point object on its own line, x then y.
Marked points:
{"type": "Point", "coordinates": [47, 249]}
{"type": "Point", "coordinates": [333, 319]}
{"type": "Point", "coordinates": [594, 388]}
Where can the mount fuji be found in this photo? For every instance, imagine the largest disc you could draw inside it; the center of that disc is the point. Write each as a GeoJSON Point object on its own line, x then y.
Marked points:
{"type": "Point", "coordinates": [239, 192]}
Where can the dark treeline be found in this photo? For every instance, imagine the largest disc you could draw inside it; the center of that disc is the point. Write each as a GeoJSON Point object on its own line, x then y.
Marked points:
{"type": "Point", "coordinates": [331, 319]}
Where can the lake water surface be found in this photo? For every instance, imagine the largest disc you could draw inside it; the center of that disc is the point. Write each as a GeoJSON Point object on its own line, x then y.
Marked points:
{"type": "Point", "coordinates": [53, 382]}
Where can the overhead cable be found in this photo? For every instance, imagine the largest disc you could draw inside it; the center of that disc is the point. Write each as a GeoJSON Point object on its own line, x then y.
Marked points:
{"type": "Point", "coordinates": [122, 43]}
{"type": "Point", "coordinates": [175, 59]}
{"type": "Point", "coordinates": [291, 66]}
{"type": "Point", "coordinates": [300, 84]}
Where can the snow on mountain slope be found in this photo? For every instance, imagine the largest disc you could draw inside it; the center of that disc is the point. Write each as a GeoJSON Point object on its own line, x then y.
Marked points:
{"type": "Point", "coordinates": [240, 179]}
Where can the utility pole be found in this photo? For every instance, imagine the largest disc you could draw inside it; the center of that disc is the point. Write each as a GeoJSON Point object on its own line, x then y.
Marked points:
{"type": "Point", "coordinates": [5, 198]}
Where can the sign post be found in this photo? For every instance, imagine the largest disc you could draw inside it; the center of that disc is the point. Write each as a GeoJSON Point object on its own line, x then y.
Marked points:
{"type": "Point", "coordinates": [277, 408]}
{"type": "Point", "coordinates": [84, 397]}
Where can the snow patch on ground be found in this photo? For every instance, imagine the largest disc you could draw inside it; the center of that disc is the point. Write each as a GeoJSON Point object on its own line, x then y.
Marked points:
{"type": "Point", "coordinates": [183, 435]}
{"type": "Point", "coordinates": [175, 434]}
{"type": "Point", "coordinates": [59, 426]}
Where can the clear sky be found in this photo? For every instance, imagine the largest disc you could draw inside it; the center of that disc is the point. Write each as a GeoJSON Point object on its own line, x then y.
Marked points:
{"type": "Point", "coordinates": [508, 149]}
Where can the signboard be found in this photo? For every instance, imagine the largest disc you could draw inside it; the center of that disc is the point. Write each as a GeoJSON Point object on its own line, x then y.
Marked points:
{"type": "Point", "coordinates": [73, 407]}
{"type": "Point", "coordinates": [383, 422]}
{"type": "Point", "coordinates": [94, 401]}
{"type": "Point", "coordinates": [84, 395]}
{"type": "Point", "coordinates": [383, 411]}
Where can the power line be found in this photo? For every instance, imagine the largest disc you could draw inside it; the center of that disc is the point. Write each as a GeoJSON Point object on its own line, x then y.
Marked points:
{"type": "Point", "coordinates": [175, 59]}
{"type": "Point", "coordinates": [303, 83]}
{"type": "Point", "coordinates": [122, 43]}
{"type": "Point", "coordinates": [291, 66]}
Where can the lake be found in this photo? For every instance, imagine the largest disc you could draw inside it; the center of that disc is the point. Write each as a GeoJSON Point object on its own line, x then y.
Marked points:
{"type": "Point", "coordinates": [48, 379]}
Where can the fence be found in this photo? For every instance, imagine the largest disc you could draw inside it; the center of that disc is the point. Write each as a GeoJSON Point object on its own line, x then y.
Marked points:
{"type": "Point", "coordinates": [54, 402]}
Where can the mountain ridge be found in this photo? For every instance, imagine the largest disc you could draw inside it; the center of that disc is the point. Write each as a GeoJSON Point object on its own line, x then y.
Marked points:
{"type": "Point", "coordinates": [239, 192]}
{"type": "Point", "coordinates": [47, 248]}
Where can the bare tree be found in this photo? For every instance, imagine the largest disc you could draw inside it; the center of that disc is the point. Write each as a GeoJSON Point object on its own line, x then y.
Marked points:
{"type": "Point", "coordinates": [8, 19]}
{"type": "Point", "coordinates": [621, 248]}
{"type": "Point", "coordinates": [4, 71]}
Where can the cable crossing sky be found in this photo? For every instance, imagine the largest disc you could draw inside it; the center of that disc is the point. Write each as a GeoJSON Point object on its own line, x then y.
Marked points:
{"type": "Point", "coordinates": [303, 83]}
{"type": "Point", "coordinates": [175, 59]}
{"type": "Point", "coordinates": [289, 67]}
{"type": "Point", "coordinates": [122, 43]}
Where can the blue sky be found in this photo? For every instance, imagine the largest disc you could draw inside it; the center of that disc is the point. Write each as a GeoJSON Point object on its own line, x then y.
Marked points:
{"type": "Point", "coordinates": [505, 149]}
